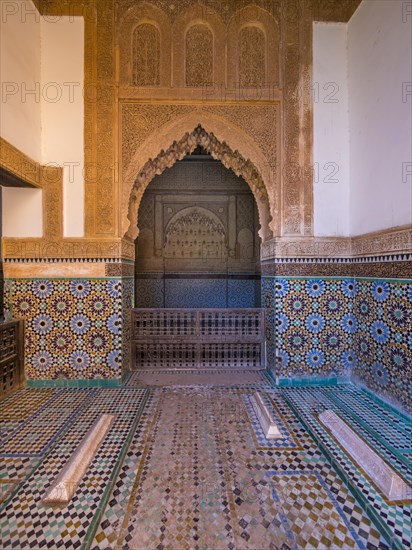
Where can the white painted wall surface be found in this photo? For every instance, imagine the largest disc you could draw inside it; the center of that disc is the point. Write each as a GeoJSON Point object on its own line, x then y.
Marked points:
{"type": "Point", "coordinates": [331, 130]}
{"type": "Point", "coordinates": [22, 212]}
{"type": "Point", "coordinates": [379, 59]}
{"type": "Point", "coordinates": [20, 111]}
{"type": "Point", "coordinates": [63, 112]}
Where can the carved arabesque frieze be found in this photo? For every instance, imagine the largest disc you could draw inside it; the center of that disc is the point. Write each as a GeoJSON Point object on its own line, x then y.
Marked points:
{"type": "Point", "coordinates": [49, 249]}
{"type": "Point", "coordinates": [225, 10]}
{"type": "Point", "coordinates": [218, 150]}
{"type": "Point", "coordinates": [395, 240]}
{"type": "Point", "coordinates": [19, 164]}
{"type": "Point", "coordinates": [380, 243]}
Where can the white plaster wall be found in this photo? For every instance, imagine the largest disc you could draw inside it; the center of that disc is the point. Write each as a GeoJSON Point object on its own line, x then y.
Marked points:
{"type": "Point", "coordinates": [331, 130]}
{"type": "Point", "coordinates": [22, 212]}
{"type": "Point", "coordinates": [62, 75]}
{"type": "Point", "coordinates": [379, 41]}
{"type": "Point", "coordinates": [20, 110]}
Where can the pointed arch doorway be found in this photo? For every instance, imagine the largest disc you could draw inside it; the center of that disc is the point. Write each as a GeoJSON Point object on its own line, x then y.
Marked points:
{"type": "Point", "coordinates": [198, 257]}
{"type": "Point", "coordinates": [198, 244]}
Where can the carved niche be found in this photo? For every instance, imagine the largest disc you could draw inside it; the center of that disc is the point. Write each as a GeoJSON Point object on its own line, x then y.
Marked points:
{"type": "Point", "coordinates": [195, 233]}
{"type": "Point", "coordinates": [253, 48]}
{"type": "Point", "coordinates": [252, 62]}
{"type": "Point", "coordinates": [146, 55]}
{"type": "Point", "coordinates": [199, 56]}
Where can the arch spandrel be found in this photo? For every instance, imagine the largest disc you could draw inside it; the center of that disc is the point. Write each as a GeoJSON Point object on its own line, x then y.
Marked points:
{"type": "Point", "coordinates": [226, 143]}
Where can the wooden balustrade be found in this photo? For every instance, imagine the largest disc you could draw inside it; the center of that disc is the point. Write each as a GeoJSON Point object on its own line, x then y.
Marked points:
{"type": "Point", "coordinates": [198, 338]}
{"type": "Point", "coordinates": [11, 356]}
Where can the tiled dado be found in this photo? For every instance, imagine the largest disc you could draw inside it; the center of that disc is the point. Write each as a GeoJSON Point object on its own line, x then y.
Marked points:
{"type": "Point", "coordinates": [383, 340]}
{"type": "Point", "coordinates": [74, 328]}
{"type": "Point", "coordinates": [342, 326]}
{"type": "Point", "coordinates": [310, 325]}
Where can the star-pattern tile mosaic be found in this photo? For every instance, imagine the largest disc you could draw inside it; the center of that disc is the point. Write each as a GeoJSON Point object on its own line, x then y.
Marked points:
{"type": "Point", "coordinates": [188, 467]}
{"type": "Point", "coordinates": [344, 327]}
{"type": "Point", "coordinates": [74, 328]}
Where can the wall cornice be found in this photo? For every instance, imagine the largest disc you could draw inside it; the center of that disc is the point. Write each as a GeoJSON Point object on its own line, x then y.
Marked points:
{"type": "Point", "coordinates": [397, 240]}
{"type": "Point", "coordinates": [19, 165]}
{"type": "Point", "coordinates": [66, 249]}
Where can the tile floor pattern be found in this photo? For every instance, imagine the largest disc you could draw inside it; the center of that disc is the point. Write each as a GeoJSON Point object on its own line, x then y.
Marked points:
{"type": "Point", "coordinates": [385, 435]}
{"type": "Point", "coordinates": [201, 377]}
{"type": "Point", "coordinates": [190, 469]}
{"type": "Point", "coordinates": [24, 521]}
{"type": "Point", "coordinates": [222, 486]}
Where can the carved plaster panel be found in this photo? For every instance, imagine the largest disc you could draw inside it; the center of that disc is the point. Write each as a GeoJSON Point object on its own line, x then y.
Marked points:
{"type": "Point", "coordinates": [199, 56]}
{"type": "Point", "coordinates": [219, 150]}
{"type": "Point", "coordinates": [227, 132]}
{"type": "Point", "coordinates": [146, 55]}
{"type": "Point", "coordinates": [194, 232]}
{"type": "Point", "coordinates": [104, 28]}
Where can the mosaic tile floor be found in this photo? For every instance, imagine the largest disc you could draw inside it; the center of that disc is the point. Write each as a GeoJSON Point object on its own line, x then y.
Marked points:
{"type": "Point", "coordinates": [188, 467]}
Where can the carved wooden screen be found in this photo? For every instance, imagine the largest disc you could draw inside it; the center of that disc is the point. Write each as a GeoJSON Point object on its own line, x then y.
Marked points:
{"type": "Point", "coordinates": [11, 356]}
{"type": "Point", "coordinates": [198, 338]}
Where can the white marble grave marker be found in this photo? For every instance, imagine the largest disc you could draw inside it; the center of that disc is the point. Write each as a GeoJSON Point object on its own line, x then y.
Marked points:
{"type": "Point", "coordinates": [267, 423]}
{"type": "Point", "coordinates": [388, 481]}
{"type": "Point", "coordinates": [65, 485]}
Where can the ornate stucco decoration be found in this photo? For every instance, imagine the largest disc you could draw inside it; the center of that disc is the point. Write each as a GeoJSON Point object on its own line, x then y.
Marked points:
{"type": "Point", "coordinates": [194, 232]}
{"type": "Point", "coordinates": [220, 151]}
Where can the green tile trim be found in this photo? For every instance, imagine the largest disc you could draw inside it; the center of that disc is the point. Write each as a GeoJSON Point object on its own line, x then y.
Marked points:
{"type": "Point", "coordinates": [376, 519]}
{"type": "Point", "coordinates": [384, 404]}
{"type": "Point", "coordinates": [125, 377]}
{"type": "Point", "coordinates": [370, 430]}
{"type": "Point", "coordinates": [62, 383]}
{"type": "Point", "coordinates": [312, 381]}
{"type": "Point", "coordinates": [308, 277]}
{"type": "Point", "coordinates": [335, 278]}
{"type": "Point", "coordinates": [307, 381]}
{"type": "Point", "coordinates": [269, 375]}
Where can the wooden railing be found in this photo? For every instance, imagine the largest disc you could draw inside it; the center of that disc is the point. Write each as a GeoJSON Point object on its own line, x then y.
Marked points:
{"type": "Point", "coordinates": [198, 338]}
{"type": "Point", "coordinates": [11, 356]}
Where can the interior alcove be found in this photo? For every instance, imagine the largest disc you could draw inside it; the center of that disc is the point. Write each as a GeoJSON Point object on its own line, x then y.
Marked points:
{"type": "Point", "coordinates": [198, 243]}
